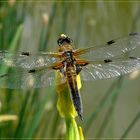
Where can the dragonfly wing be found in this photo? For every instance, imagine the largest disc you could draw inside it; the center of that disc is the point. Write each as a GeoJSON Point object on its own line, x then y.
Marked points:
{"type": "Point", "coordinates": [23, 79]}
{"type": "Point", "coordinates": [112, 48]}
{"type": "Point", "coordinates": [109, 68]}
{"type": "Point", "coordinates": [25, 59]}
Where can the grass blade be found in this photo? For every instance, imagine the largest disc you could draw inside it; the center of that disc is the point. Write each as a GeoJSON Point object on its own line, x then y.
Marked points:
{"type": "Point", "coordinates": [131, 125]}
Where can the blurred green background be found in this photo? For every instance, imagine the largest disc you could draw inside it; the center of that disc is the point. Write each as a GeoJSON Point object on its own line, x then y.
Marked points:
{"type": "Point", "coordinates": [111, 107]}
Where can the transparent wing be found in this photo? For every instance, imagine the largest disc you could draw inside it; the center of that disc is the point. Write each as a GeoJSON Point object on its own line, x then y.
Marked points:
{"type": "Point", "coordinates": [111, 49]}
{"type": "Point", "coordinates": [26, 60]}
{"type": "Point", "coordinates": [109, 68]}
{"type": "Point", "coordinates": [23, 79]}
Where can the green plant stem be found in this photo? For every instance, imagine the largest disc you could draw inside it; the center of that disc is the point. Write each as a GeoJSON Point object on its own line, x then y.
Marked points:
{"type": "Point", "coordinates": [79, 24]}
{"type": "Point", "coordinates": [129, 128]}
{"type": "Point", "coordinates": [45, 35]}
{"type": "Point", "coordinates": [22, 114]}
{"type": "Point", "coordinates": [64, 18]}
{"type": "Point", "coordinates": [109, 94]}
{"type": "Point", "coordinates": [110, 110]}
{"type": "Point", "coordinates": [72, 132]}
{"type": "Point", "coordinates": [55, 123]}
{"type": "Point", "coordinates": [36, 120]}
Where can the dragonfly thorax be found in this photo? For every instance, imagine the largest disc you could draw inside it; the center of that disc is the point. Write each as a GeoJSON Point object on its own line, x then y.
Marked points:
{"type": "Point", "coordinates": [65, 48]}
{"type": "Point", "coordinates": [69, 57]}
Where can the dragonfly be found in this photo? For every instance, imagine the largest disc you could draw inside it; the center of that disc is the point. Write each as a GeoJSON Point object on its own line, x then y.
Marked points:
{"type": "Point", "coordinates": [37, 70]}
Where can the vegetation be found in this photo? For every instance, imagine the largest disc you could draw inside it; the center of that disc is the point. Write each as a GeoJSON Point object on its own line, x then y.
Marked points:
{"type": "Point", "coordinates": [109, 112]}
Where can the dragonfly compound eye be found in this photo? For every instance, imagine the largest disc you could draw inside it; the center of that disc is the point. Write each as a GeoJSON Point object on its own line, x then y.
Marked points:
{"type": "Point", "coordinates": [63, 39]}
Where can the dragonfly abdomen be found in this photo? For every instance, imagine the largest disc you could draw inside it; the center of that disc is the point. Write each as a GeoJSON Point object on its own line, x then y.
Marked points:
{"type": "Point", "coordinates": [75, 96]}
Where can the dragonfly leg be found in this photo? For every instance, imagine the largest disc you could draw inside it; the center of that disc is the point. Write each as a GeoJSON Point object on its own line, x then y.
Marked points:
{"type": "Point", "coordinates": [80, 64]}
{"type": "Point", "coordinates": [78, 68]}
{"type": "Point", "coordinates": [63, 71]}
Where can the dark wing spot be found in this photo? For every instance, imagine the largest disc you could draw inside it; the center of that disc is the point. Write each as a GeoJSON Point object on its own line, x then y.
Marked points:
{"type": "Point", "coordinates": [131, 34]}
{"type": "Point", "coordinates": [25, 53]}
{"type": "Point", "coordinates": [32, 71]}
{"type": "Point", "coordinates": [107, 60]}
{"type": "Point", "coordinates": [110, 42]}
{"type": "Point", "coordinates": [131, 57]}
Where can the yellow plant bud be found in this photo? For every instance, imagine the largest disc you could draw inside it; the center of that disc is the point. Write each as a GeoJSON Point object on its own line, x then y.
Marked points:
{"type": "Point", "coordinates": [64, 103]}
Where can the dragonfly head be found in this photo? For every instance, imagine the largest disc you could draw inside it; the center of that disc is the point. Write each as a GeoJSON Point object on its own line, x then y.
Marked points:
{"type": "Point", "coordinates": [64, 39]}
